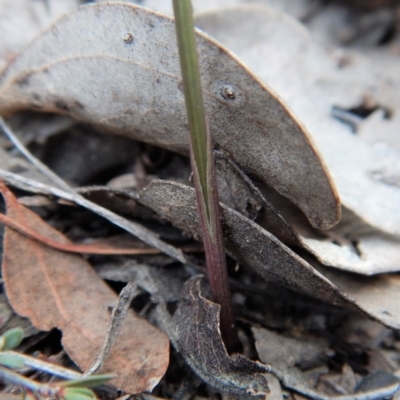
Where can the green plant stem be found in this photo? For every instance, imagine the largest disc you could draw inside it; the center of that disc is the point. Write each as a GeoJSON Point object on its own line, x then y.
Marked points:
{"type": "Point", "coordinates": [204, 171]}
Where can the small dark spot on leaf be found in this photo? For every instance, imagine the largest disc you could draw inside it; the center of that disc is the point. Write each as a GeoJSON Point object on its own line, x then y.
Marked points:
{"type": "Point", "coordinates": [180, 86]}
{"type": "Point", "coordinates": [228, 93]}
{"type": "Point", "coordinates": [356, 247]}
{"type": "Point", "coordinates": [78, 104]}
{"type": "Point", "coordinates": [128, 38]}
{"type": "Point", "coordinates": [141, 373]}
{"type": "Point", "coordinates": [17, 169]}
{"type": "Point", "coordinates": [23, 81]}
{"type": "Point", "coordinates": [61, 105]}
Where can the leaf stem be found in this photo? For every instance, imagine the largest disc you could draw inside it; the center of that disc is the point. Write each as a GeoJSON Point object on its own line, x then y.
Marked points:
{"type": "Point", "coordinates": [204, 171]}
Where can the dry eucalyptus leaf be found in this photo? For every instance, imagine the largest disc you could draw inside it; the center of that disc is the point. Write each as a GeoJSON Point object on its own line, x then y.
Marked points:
{"type": "Point", "coordinates": [117, 66]}
{"type": "Point", "coordinates": [354, 246]}
{"type": "Point", "coordinates": [60, 290]}
{"type": "Point", "coordinates": [379, 295]}
{"type": "Point", "coordinates": [299, 8]}
{"type": "Point", "coordinates": [283, 352]}
{"type": "Point", "coordinates": [22, 20]}
{"type": "Point", "coordinates": [371, 254]}
{"type": "Point", "coordinates": [246, 241]}
{"type": "Point", "coordinates": [233, 189]}
{"type": "Point", "coordinates": [293, 378]}
{"type": "Point", "coordinates": [237, 191]}
{"type": "Point", "coordinates": [156, 281]}
{"type": "Point", "coordinates": [255, 247]}
{"type": "Point", "coordinates": [196, 322]}
{"type": "Point", "coordinates": [312, 83]}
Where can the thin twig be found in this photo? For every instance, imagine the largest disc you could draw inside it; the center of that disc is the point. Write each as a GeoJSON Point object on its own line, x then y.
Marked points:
{"type": "Point", "coordinates": [117, 317]}
{"type": "Point", "coordinates": [37, 163]}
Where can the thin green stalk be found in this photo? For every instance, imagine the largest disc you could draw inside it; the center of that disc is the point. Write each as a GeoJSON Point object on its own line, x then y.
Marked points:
{"type": "Point", "coordinates": [204, 171]}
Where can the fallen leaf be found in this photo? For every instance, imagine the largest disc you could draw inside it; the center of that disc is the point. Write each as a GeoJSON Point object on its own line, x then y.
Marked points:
{"type": "Point", "coordinates": [284, 352]}
{"type": "Point", "coordinates": [60, 290]}
{"type": "Point", "coordinates": [273, 260]}
{"type": "Point", "coordinates": [299, 9]}
{"type": "Point", "coordinates": [157, 281]}
{"type": "Point", "coordinates": [352, 245]}
{"type": "Point", "coordinates": [196, 322]}
{"type": "Point", "coordinates": [378, 295]}
{"type": "Point", "coordinates": [309, 78]}
{"type": "Point", "coordinates": [255, 247]}
{"type": "Point", "coordinates": [233, 189]}
{"type": "Point", "coordinates": [338, 383]}
{"type": "Point", "coordinates": [236, 190]}
{"type": "Point", "coordinates": [22, 20]}
{"type": "Point", "coordinates": [293, 378]}
{"type": "Point", "coordinates": [133, 44]}
{"type": "Point", "coordinates": [368, 255]}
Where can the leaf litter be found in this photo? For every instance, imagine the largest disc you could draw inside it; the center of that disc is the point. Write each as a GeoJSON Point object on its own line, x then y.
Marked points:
{"type": "Point", "coordinates": [39, 282]}
{"type": "Point", "coordinates": [345, 245]}
{"type": "Point", "coordinates": [272, 259]}
{"type": "Point", "coordinates": [367, 197]}
{"type": "Point", "coordinates": [280, 151]}
{"type": "Point", "coordinates": [196, 322]}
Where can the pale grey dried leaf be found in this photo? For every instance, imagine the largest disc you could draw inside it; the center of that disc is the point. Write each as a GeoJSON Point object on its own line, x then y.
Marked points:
{"type": "Point", "coordinates": [156, 281]}
{"type": "Point", "coordinates": [298, 9]}
{"type": "Point", "coordinates": [22, 20]}
{"type": "Point", "coordinates": [196, 322]}
{"type": "Point", "coordinates": [276, 388]}
{"type": "Point", "coordinates": [255, 247]}
{"type": "Point", "coordinates": [286, 47]}
{"type": "Point", "coordinates": [284, 352]}
{"type": "Point", "coordinates": [293, 378]}
{"type": "Point", "coordinates": [352, 245]}
{"type": "Point", "coordinates": [382, 131]}
{"type": "Point", "coordinates": [368, 255]}
{"type": "Point", "coordinates": [123, 75]}
{"type": "Point", "coordinates": [378, 295]}
{"type": "Point", "coordinates": [312, 83]}
{"type": "Point", "coordinates": [273, 260]}
{"type": "Point", "coordinates": [233, 190]}
{"type": "Point", "coordinates": [237, 191]}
